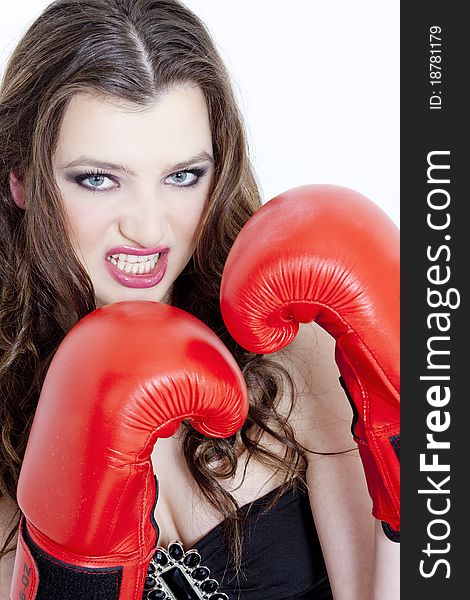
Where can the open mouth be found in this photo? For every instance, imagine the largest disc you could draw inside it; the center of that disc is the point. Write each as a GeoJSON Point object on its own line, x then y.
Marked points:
{"type": "Point", "coordinates": [133, 264]}
{"type": "Point", "coordinates": [138, 271]}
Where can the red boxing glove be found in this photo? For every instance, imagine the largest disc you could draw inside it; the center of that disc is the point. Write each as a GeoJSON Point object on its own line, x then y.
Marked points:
{"type": "Point", "coordinates": [328, 254]}
{"type": "Point", "coordinates": [124, 376]}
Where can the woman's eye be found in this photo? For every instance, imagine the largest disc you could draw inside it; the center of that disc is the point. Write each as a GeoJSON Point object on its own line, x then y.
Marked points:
{"type": "Point", "coordinates": [185, 178]}
{"type": "Point", "coordinates": [95, 181]}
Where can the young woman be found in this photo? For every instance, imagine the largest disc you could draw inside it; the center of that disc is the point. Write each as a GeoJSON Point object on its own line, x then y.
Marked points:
{"type": "Point", "coordinates": [119, 134]}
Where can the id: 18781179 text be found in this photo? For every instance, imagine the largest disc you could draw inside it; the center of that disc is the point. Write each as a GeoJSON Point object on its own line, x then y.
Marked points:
{"type": "Point", "coordinates": [435, 67]}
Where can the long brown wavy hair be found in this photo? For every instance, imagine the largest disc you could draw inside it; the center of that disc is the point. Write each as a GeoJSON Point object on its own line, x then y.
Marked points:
{"type": "Point", "coordinates": [132, 51]}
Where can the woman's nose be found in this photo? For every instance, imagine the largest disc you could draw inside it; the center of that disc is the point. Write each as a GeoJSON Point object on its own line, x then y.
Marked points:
{"type": "Point", "coordinates": [143, 221]}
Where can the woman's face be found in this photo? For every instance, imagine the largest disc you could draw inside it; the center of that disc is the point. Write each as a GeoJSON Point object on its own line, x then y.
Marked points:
{"type": "Point", "coordinates": [134, 184]}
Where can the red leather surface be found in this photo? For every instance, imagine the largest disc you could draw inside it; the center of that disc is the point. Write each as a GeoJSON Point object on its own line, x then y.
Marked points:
{"type": "Point", "coordinates": [328, 254]}
{"type": "Point", "coordinates": [125, 375]}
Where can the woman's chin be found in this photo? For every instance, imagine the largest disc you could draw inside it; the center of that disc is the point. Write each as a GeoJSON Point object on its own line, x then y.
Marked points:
{"type": "Point", "coordinates": [126, 295]}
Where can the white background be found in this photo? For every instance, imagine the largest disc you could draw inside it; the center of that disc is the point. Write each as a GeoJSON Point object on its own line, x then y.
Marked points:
{"type": "Point", "coordinates": [318, 84]}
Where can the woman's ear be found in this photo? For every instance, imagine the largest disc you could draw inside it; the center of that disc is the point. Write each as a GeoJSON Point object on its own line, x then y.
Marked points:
{"type": "Point", "coordinates": [17, 190]}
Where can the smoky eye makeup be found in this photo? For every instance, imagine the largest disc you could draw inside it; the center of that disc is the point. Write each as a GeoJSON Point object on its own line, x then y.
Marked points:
{"type": "Point", "coordinates": [100, 180]}
{"type": "Point", "coordinates": [186, 177]}
{"type": "Point", "coordinates": [93, 180]}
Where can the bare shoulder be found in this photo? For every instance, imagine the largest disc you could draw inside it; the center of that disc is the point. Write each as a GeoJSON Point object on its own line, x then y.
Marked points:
{"type": "Point", "coordinates": [8, 515]}
{"type": "Point", "coordinates": [322, 415]}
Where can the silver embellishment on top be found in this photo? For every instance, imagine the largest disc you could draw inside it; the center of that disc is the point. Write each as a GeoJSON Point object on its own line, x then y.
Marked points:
{"type": "Point", "coordinates": [174, 574]}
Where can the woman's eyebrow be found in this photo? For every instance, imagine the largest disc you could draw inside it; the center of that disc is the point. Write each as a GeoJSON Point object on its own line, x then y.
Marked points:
{"type": "Point", "coordinates": [85, 160]}
{"type": "Point", "coordinates": [185, 164]}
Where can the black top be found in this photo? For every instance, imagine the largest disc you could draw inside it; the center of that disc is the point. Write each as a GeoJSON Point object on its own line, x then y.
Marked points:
{"type": "Point", "coordinates": [282, 558]}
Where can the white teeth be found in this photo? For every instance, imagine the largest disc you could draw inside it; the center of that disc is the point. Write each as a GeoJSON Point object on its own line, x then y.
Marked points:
{"type": "Point", "coordinates": [131, 263]}
{"type": "Point", "coordinates": [133, 258]}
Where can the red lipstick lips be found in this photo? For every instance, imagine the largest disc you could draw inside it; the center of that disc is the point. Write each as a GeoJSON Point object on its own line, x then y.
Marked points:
{"type": "Point", "coordinates": [137, 280]}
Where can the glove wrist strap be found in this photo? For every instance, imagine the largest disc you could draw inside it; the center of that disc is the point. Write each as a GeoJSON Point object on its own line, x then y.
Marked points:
{"type": "Point", "coordinates": [40, 576]}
